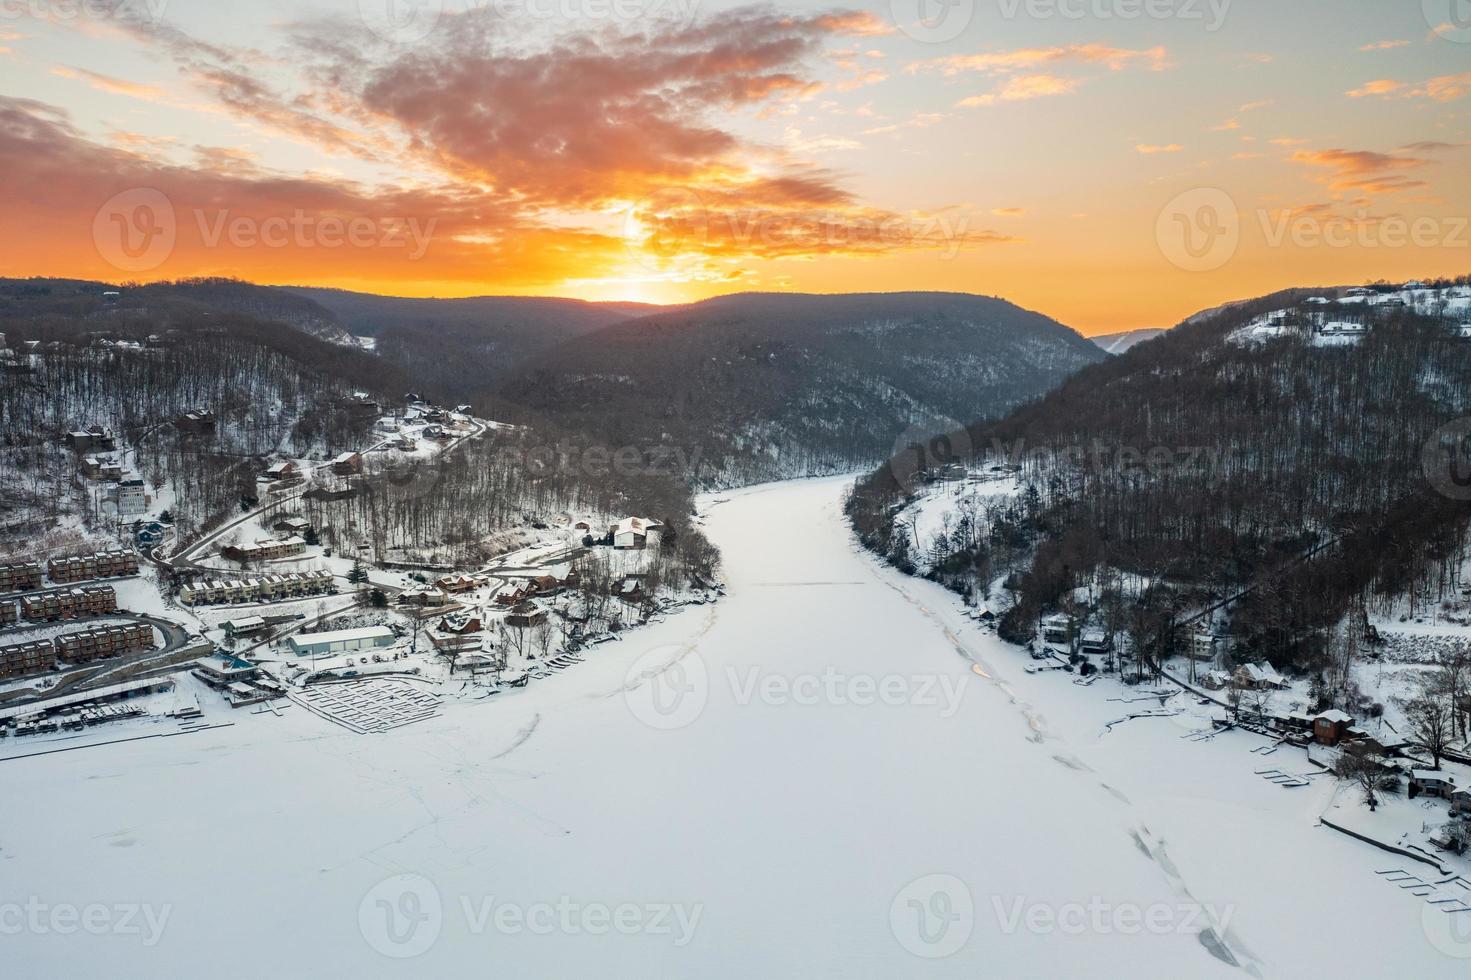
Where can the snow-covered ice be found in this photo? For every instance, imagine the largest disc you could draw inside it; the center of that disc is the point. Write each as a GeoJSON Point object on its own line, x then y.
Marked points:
{"type": "Point", "coordinates": [830, 772]}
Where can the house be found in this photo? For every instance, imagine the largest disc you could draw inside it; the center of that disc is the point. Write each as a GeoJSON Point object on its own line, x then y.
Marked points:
{"type": "Point", "coordinates": [513, 594]}
{"type": "Point", "coordinates": [1096, 642]}
{"type": "Point", "coordinates": [244, 626]}
{"type": "Point", "coordinates": [1202, 645]}
{"type": "Point", "coordinates": [1431, 782]}
{"type": "Point", "coordinates": [1215, 680]}
{"type": "Point", "coordinates": [1360, 291]}
{"type": "Point", "coordinates": [93, 439]}
{"type": "Point", "coordinates": [1057, 629]}
{"type": "Point", "coordinates": [424, 598]}
{"type": "Point", "coordinates": [637, 532]}
{"type": "Point", "coordinates": [9, 614]}
{"type": "Point", "coordinates": [1461, 802]}
{"type": "Point", "coordinates": [132, 498]}
{"type": "Point", "coordinates": [405, 443]}
{"type": "Point", "coordinates": [341, 641]}
{"type": "Point", "coordinates": [458, 634]}
{"type": "Point", "coordinates": [1331, 727]}
{"type": "Point", "coordinates": [199, 422]}
{"type": "Point", "coordinates": [292, 525]}
{"type": "Point", "coordinates": [347, 464]}
{"type": "Point", "coordinates": [281, 471]}
{"type": "Point", "coordinates": [95, 467]}
{"type": "Point", "coordinates": [1464, 331]}
{"type": "Point", "coordinates": [459, 583]}
{"type": "Point", "coordinates": [631, 589]}
{"type": "Point", "coordinates": [1259, 677]}
{"type": "Point", "coordinates": [526, 614]}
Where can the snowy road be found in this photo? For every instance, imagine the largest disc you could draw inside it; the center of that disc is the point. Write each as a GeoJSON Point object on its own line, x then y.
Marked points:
{"type": "Point", "coordinates": [828, 774]}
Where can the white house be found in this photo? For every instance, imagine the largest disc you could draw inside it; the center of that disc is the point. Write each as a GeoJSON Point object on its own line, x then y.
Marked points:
{"type": "Point", "coordinates": [637, 532]}
{"type": "Point", "coordinates": [1261, 677]}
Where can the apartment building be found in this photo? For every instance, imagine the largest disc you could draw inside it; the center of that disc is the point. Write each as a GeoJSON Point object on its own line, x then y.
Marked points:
{"type": "Point", "coordinates": [101, 564]}
{"type": "Point", "coordinates": [20, 576]}
{"type": "Point", "coordinates": [87, 645]}
{"type": "Point", "coordinates": [20, 659]}
{"type": "Point", "coordinates": [96, 600]}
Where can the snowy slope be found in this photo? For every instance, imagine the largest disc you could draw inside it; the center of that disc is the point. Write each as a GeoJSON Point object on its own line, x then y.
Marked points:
{"type": "Point", "coordinates": [782, 834]}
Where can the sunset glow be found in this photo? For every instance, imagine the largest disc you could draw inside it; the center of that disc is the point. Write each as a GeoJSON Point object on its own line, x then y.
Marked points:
{"type": "Point", "coordinates": [670, 150]}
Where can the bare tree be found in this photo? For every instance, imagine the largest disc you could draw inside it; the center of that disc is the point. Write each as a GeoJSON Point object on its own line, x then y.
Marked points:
{"type": "Point", "coordinates": [1428, 722]}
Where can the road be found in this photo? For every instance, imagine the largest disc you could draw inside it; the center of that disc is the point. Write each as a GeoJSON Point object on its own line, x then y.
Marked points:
{"type": "Point", "coordinates": [829, 773]}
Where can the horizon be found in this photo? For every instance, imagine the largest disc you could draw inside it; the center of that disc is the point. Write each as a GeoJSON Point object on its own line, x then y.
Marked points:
{"type": "Point", "coordinates": [668, 151]}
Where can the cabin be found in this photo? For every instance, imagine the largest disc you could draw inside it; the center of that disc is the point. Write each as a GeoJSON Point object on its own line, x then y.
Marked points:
{"type": "Point", "coordinates": [1461, 802]}
{"type": "Point", "coordinates": [198, 422]}
{"type": "Point", "coordinates": [101, 468]}
{"type": "Point", "coordinates": [348, 464]}
{"type": "Point", "coordinates": [292, 525]}
{"type": "Point", "coordinates": [1331, 727]}
{"type": "Point", "coordinates": [525, 615]}
{"type": "Point", "coordinates": [637, 532]}
{"type": "Point", "coordinates": [245, 626]}
{"type": "Point", "coordinates": [1096, 642]}
{"type": "Point", "coordinates": [1431, 782]}
{"type": "Point", "coordinates": [281, 471]}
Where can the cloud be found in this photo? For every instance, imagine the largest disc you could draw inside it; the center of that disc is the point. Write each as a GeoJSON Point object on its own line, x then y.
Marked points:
{"type": "Point", "coordinates": [1443, 88]}
{"type": "Point", "coordinates": [1150, 148]}
{"type": "Point", "coordinates": [1226, 126]}
{"type": "Point", "coordinates": [1259, 104]}
{"type": "Point", "coordinates": [1008, 212]}
{"type": "Point", "coordinates": [106, 83]}
{"type": "Point", "coordinates": [1363, 171]}
{"type": "Point", "coordinates": [1022, 88]}
{"type": "Point", "coordinates": [1384, 45]}
{"type": "Point", "coordinates": [539, 159]}
{"type": "Point", "coordinates": [1028, 74]}
{"type": "Point", "coordinates": [1382, 86]}
{"type": "Point", "coordinates": [1023, 59]}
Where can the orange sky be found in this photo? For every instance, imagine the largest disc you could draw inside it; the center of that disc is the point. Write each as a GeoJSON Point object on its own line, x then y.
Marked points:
{"type": "Point", "coordinates": [1112, 171]}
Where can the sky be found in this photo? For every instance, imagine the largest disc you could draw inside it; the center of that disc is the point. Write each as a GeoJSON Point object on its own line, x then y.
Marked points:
{"type": "Point", "coordinates": [1114, 164]}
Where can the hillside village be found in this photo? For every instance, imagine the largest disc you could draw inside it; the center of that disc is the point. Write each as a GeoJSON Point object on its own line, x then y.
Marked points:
{"type": "Point", "coordinates": [1388, 716]}
{"type": "Point", "coordinates": [159, 629]}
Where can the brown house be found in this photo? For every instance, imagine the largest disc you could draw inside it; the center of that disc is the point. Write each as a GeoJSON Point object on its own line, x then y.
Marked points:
{"type": "Point", "coordinates": [348, 464]}
{"type": "Point", "coordinates": [1331, 727]}
{"type": "Point", "coordinates": [525, 615]}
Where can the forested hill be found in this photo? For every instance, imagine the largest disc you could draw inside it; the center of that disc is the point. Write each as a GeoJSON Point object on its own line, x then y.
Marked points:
{"type": "Point", "coordinates": [467, 346]}
{"type": "Point", "coordinates": [764, 386]}
{"type": "Point", "coordinates": [1209, 461]}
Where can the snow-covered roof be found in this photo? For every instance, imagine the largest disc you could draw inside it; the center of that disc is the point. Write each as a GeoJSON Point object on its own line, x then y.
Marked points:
{"type": "Point", "coordinates": [1333, 716]}
{"type": "Point", "coordinates": [344, 636]}
{"type": "Point", "coordinates": [1431, 776]}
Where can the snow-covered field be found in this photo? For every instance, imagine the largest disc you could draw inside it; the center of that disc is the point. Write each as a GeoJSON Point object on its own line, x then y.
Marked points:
{"type": "Point", "coordinates": [828, 773]}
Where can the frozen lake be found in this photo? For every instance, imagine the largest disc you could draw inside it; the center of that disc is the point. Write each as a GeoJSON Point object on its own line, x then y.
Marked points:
{"type": "Point", "coordinates": [828, 774]}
